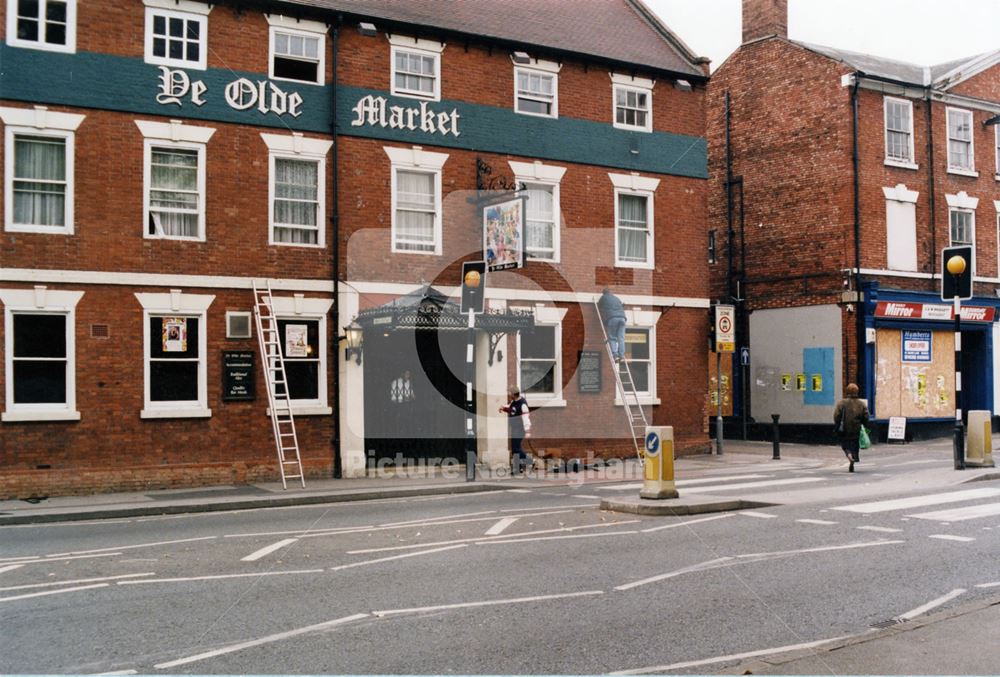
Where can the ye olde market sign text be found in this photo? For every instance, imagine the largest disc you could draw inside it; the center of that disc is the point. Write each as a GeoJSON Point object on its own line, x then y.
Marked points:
{"type": "Point", "coordinates": [176, 86]}
{"type": "Point", "coordinates": [375, 110]}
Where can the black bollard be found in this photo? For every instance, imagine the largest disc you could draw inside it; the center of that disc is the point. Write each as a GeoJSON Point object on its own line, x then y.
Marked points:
{"type": "Point", "coordinates": [775, 440]}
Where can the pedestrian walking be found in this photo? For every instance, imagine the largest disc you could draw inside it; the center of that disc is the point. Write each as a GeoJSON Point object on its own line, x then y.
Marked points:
{"type": "Point", "coordinates": [519, 425]}
{"type": "Point", "coordinates": [612, 313]}
{"type": "Point", "coordinates": [848, 416]}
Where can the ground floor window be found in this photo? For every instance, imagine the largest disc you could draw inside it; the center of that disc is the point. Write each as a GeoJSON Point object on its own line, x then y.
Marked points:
{"type": "Point", "coordinates": [300, 347]}
{"type": "Point", "coordinates": [638, 356]}
{"type": "Point", "coordinates": [537, 359]}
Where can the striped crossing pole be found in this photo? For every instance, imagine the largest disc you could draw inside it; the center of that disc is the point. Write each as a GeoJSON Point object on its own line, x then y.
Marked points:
{"type": "Point", "coordinates": [470, 424]}
{"type": "Point", "coordinates": [959, 429]}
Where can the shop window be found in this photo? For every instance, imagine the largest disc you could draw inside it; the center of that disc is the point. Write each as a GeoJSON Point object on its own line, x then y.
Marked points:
{"type": "Point", "coordinates": [960, 145]}
{"type": "Point", "coordinates": [40, 363]}
{"type": "Point", "coordinates": [297, 189]}
{"type": "Point", "coordinates": [632, 103]}
{"type": "Point", "coordinates": [416, 200]}
{"type": "Point", "coordinates": [416, 67]}
{"type": "Point", "coordinates": [297, 50]}
{"type": "Point", "coordinates": [536, 89]}
{"type": "Point", "coordinates": [38, 181]}
{"type": "Point", "coordinates": [899, 132]}
{"type": "Point", "coordinates": [42, 24]}
{"type": "Point", "coordinates": [175, 354]}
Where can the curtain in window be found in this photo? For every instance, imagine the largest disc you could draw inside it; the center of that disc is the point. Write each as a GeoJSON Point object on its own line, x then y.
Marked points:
{"type": "Point", "coordinates": [632, 228]}
{"type": "Point", "coordinates": [174, 201]}
{"type": "Point", "coordinates": [414, 72]}
{"type": "Point", "coordinates": [961, 228]}
{"type": "Point", "coordinates": [540, 222]}
{"type": "Point", "coordinates": [39, 181]}
{"type": "Point", "coordinates": [959, 141]}
{"type": "Point", "coordinates": [415, 211]}
{"type": "Point", "coordinates": [296, 201]}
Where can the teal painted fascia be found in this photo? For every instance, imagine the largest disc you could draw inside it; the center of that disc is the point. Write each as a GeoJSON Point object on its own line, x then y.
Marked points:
{"type": "Point", "coordinates": [129, 85]}
{"type": "Point", "coordinates": [490, 129]}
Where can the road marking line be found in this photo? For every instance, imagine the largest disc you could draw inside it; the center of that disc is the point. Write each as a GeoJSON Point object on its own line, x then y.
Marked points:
{"type": "Point", "coordinates": [38, 560]}
{"type": "Point", "coordinates": [685, 483]}
{"type": "Point", "coordinates": [10, 568]}
{"type": "Point", "coordinates": [885, 530]}
{"type": "Point", "coordinates": [522, 491]}
{"type": "Point", "coordinates": [930, 605]}
{"type": "Point", "coordinates": [755, 485]}
{"type": "Point", "coordinates": [481, 538]}
{"type": "Point", "coordinates": [949, 537]}
{"type": "Point", "coordinates": [575, 506]}
{"type": "Point", "coordinates": [730, 657]}
{"type": "Point", "coordinates": [512, 539]}
{"type": "Point", "coordinates": [427, 520]}
{"type": "Point", "coordinates": [586, 496]}
{"type": "Point", "coordinates": [403, 556]}
{"type": "Point", "coordinates": [52, 592]}
{"type": "Point", "coordinates": [811, 521]}
{"type": "Point", "coordinates": [960, 514]}
{"type": "Point", "coordinates": [494, 602]}
{"type": "Point", "coordinates": [333, 531]}
{"type": "Point", "coordinates": [710, 564]}
{"type": "Point", "coordinates": [221, 576]}
{"type": "Point", "coordinates": [254, 556]}
{"type": "Point", "coordinates": [79, 580]}
{"type": "Point", "coordinates": [683, 524]}
{"type": "Point", "coordinates": [263, 640]}
{"type": "Point", "coordinates": [824, 548]}
{"type": "Point", "coordinates": [918, 501]}
{"type": "Point", "coordinates": [132, 547]}
{"type": "Point", "coordinates": [762, 515]}
{"type": "Point", "coordinates": [116, 673]}
{"type": "Point", "coordinates": [989, 585]}
{"type": "Point", "coordinates": [499, 527]}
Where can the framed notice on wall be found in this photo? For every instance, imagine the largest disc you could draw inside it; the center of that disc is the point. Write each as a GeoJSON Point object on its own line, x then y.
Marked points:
{"type": "Point", "coordinates": [238, 376]}
{"type": "Point", "coordinates": [588, 371]}
{"type": "Point", "coordinates": [916, 346]}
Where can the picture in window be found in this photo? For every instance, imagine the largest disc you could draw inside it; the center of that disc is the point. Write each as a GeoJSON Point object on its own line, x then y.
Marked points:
{"type": "Point", "coordinates": [174, 334]}
{"type": "Point", "coordinates": [503, 226]}
{"type": "Point", "coordinates": [297, 340]}
{"type": "Point", "coordinates": [300, 341]}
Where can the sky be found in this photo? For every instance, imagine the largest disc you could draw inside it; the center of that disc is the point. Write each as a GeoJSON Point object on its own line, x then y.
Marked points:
{"type": "Point", "coordinates": [921, 32]}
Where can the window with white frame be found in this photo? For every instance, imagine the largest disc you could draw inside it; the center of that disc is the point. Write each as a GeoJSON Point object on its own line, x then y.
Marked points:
{"type": "Point", "coordinates": [901, 228]}
{"type": "Point", "coordinates": [177, 33]}
{"type": "Point", "coordinates": [539, 357]}
{"type": "Point", "coordinates": [303, 345]}
{"type": "Point", "coordinates": [416, 67]}
{"type": "Point", "coordinates": [174, 354]}
{"type": "Point", "coordinates": [38, 171]}
{"type": "Point", "coordinates": [898, 131]}
{"type": "Point", "coordinates": [962, 222]}
{"type": "Point", "coordinates": [416, 199]}
{"type": "Point", "coordinates": [542, 215]}
{"type": "Point", "coordinates": [633, 102]}
{"type": "Point", "coordinates": [42, 24]}
{"type": "Point", "coordinates": [639, 357]}
{"type": "Point", "coordinates": [536, 89]}
{"type": "Point", "coordinates": [960, 147]}
{"type": "Point", "coordinates": [633, 220]}
{"type": "Point", "coordinates": [996, 141]}
{"type": "Point", "coordinates": [174, 179]}
{"type": "Point", "coordinates": [996, 203]}
{"type": "Point", "coordinates": [297, 189]}
{"type": "Point", "coordinates": [40, 354]}
{"type": "Point", "coordinates": [297, 49]}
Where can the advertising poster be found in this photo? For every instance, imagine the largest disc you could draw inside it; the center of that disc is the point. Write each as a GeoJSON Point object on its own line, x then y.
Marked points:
{"type": "Point", "coordinates": [296, 340]}
{"type": "Point", "coordinates": [916, 346]}
{"type": "Point", "coordinates": [503, 227]}
{"type": "Point", "coordinates": [174, 334]}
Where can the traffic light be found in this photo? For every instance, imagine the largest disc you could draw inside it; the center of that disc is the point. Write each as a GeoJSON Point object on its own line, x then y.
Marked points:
{"type": "Point", "coordinates": [473, 286]}
{"type": "Point", "coordinates": [956, 276]}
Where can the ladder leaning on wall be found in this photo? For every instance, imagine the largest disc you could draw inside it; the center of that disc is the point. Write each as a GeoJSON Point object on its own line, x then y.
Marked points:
{"type": "Point", "coordinates": [286, 441]}
{"type": "Point", "coordinates": [634, 413]}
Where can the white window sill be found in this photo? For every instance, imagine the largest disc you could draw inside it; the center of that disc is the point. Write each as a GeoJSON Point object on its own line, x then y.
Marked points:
{"type": "Point", "coordinates": [536, 115]}
{"type": "Point", "coordinates": [419, 96]}
{"type": "Point", "coordinates": [997, 177]}
{"type": "Point", "coordinates": [39, 45]}
{"type": "Point", "coordinates": [538, 402]}
{"type": "Point", "coordinates": [963, 172]}
{"type": "Point", "coordinates": [629, 264]}
{"type": "Point", "coordinates": [54, 415]}
{"type": "Point", "coordinates": [186, 412]}
{"type": "Point", "coordinates": [542, 259]}
{"type": "Point", "coordinates": [417, 252]}
{"type": "Point", "coordinates": [643, 400]}
{"type": "Point", "coordinates": [302, 245]}
{"type": "Point", "coordinates": [307, 410]}
{"type": "Point", "coordinates": [633, 129]}
{"type": "Point", "coordinates": [45, 230]}
{"type": "Point", "coordinates": [297, 82]}
{"type": "Point", "coordinates": [902, 164]}
{"type": "Point", "coordinates": [175, 238]}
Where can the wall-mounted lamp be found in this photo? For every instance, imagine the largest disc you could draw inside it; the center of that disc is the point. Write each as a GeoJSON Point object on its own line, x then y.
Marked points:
{"type": "Point", "coordinates": [995, 120]}
{"type": "Point", "coordinates": [355, 338]}
{"type": "Point", "coordinates": [520, 57]}
{"type": "Point", "coordinates": [367, 29]}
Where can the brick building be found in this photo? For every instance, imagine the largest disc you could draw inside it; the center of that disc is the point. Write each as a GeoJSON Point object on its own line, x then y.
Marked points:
{"type": "Point", "coordinates": [162, 155]}
{"type": "Point", "coordinates": [834, 262]}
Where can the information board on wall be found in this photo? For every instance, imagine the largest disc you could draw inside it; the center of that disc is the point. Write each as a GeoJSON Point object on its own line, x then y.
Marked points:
{"type": "Point", "coordinates": [238, 376]}
{"type": "Point", "coordinates": [588, 371]}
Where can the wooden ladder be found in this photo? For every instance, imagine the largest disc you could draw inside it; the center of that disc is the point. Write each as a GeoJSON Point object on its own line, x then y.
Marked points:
{"type": "Point", "coordinates": [282, 422]}
{"type": "Point", "coordinates": [634, 413]}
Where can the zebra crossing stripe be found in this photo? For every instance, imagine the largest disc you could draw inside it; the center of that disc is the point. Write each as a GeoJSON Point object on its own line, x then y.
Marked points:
{"type": "Point", "coordinates": [919, 501]}
{"type": "Point", "coordinates": [959, 514]}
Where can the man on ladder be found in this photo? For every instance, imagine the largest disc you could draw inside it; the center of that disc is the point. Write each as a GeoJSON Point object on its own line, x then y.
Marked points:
{"type": "Point", "coordinates": [613, 315]}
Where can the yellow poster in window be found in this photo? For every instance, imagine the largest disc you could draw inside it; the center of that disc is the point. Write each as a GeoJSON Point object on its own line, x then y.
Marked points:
{"type": "Point", "coordinates": [786, 381]}
{"type": "Point", "coordinates": [817, 383]}
{"type": "Point", "coordinates": [800, 382]}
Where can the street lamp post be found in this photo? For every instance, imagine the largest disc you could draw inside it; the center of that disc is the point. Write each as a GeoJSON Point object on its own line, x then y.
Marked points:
{"type": "Point", "coordinates": [956, 266]}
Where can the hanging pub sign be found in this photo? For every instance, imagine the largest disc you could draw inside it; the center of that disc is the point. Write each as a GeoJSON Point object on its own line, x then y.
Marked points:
{"type": "Point", "coordinates": [503, 230]}
{"type": "Point", "coordinates": [238, 376]}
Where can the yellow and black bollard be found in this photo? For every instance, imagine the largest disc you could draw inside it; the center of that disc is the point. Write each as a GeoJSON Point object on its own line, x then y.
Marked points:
{"type": "Point", "coordinates": [658, 469]}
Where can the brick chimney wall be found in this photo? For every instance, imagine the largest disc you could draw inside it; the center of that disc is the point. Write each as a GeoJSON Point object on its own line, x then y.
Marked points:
{"type": "Point", "coordinates": [762, 18]}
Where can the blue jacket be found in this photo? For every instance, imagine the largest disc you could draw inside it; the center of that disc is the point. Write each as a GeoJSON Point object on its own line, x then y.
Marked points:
{"type": "Point", "coordinates": [610, 306]}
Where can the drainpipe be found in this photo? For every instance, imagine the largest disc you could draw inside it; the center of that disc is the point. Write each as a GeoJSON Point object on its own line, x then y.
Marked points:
{"type": "Point", "coordinates": [859, 311]}
{"type": "Point", "coordinates": [930, 180]}
{"type": "Point", "coordinates": [335, 221]}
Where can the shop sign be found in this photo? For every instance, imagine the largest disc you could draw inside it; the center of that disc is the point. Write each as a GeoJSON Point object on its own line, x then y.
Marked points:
{"type": "Point", "coordinates": [897, 427]}
{"type": "Point", "coordinates": [897, 310]}
{"type": "Point", "coordinates": [376, 111]}
{"type": "Point", "coordinates": [241, 94]}
{"type": "Point", "coordinates": [916, 346]}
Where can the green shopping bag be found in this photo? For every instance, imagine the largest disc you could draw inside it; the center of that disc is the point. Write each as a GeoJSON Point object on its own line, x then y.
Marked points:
{"type": "Point", "coordinates": [864, 441]}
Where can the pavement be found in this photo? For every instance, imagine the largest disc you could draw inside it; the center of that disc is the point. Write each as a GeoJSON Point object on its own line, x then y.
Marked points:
{"type": "Point", "coordinates": [961, 640]}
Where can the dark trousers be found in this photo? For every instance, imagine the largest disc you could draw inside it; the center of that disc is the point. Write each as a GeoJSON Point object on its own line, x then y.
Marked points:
{"type": "Point", "coordinates": [850, 446]}
{"type": "Point", "coordinates": [518, 457]}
